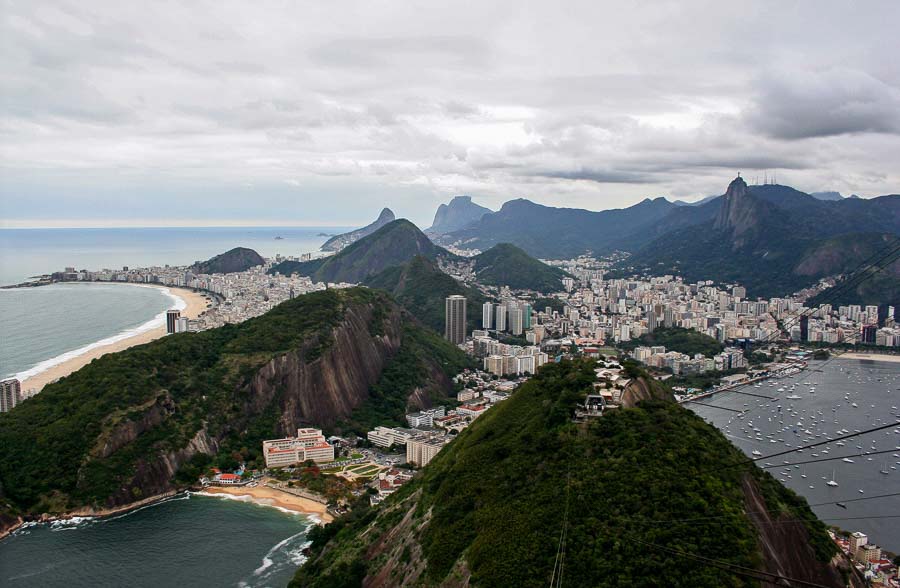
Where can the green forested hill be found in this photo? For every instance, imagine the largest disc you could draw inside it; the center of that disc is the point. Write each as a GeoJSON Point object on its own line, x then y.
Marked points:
{"type": "Point", "coordinates": [626, 489]}
{"type": "Point", "coordinates": [109, 433]}
{"type": "Point", "coordinates": [393, 244]}
{"type": "Point", "coordinates": [238, 259]}
{"type": "Point", "coordinates": [678, 339]}
{"type": "Point", "coordinates": [421, 287]}
{"type": "Point", "coordinates": [507, 265]}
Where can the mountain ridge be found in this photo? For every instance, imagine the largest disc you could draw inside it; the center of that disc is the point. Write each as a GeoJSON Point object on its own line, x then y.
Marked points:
{"type": "Point", "coordinates": [490, 508]}
{"type": "Point", "coordinates": [338, 242]}
{"type": "Point", "coordinates": [160, 409]}
{"type": "Point", "coordinates": [392, 244]}
{"type": "Point", "coordinates": [458, 214]}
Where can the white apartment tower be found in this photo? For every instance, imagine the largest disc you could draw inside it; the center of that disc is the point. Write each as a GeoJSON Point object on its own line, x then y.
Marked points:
{"type": "Point", "coordinates": [487, 315]}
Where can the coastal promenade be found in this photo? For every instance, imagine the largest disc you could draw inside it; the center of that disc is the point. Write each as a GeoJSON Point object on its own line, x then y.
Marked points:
{"type": "Point", "coordinates": [195, 305]}
{"type": "Point", "coordinates": [796, 368]}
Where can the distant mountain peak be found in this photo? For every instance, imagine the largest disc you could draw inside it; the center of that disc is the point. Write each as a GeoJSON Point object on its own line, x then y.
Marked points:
{"type": "Point", "coordinates": [739, 211]}
{"type": "Point", "coordinates": [338, 242]}
{"type": "Point", "coordinates": [737, 187]}
{"type": "Point", "coordinates": [458, 214]}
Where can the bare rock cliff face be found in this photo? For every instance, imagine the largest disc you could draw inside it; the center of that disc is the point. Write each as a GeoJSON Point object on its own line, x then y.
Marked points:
{"type": "Point", "coordinates": [641, 389]}
{"type": "Point", "coordinates": [786, 550]}
{"type": "Point", "coordinates": [327, 389]}
{"type": "Point", "coordinates": [740, 213]}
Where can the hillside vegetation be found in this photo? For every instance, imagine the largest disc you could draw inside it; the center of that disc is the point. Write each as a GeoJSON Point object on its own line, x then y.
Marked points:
{"type": "Point", "coordinates": [625, 489]}
{"type": "Point", "coordinates": [393, 244]}
{"type": "Point", "coordinates": [678, 339]}
{"type": "Point", "coordinates": [776, 240]}
{"type": "Point", "coordinates": [507, 265]}
{"type": "Point", "coordinates": [235, 260]}
{"type": "Point", "coordinates": [421, 287]}
{"type": "Point", "coordinates": [121, 428]}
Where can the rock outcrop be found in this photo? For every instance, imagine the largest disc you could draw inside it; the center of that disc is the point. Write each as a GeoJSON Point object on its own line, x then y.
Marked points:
{"type": "Point", "coordinates": [338, 242]}
{"type": "Point", "coordinates": [641, 389]}
{"type": "Point", "coordinates": [460, 213]}
{"type": "Point", "coordinates": [327, 389]}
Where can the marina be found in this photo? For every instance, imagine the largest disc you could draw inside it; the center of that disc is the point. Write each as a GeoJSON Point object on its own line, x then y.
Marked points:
{"type": "Point", "coordinates": [824, 415]}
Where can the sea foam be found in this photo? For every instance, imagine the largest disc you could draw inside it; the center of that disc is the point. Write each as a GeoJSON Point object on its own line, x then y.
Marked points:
{"type": "Point", "coordinates": [157, 321]}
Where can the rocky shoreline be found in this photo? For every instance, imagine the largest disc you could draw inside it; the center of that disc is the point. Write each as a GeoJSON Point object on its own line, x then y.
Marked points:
{"type": "Point", "coordinates": [8, 529]}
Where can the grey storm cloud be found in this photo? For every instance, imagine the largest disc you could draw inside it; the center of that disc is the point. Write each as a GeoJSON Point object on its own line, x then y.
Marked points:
{"type": "Point", "coordinates": [316, 113]}
{"type": "Point", "coordinates": [823, 104]}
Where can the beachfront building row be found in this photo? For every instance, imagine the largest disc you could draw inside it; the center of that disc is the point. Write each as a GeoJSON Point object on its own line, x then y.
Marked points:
{"type": "Point", "coordinates": [309, 444]}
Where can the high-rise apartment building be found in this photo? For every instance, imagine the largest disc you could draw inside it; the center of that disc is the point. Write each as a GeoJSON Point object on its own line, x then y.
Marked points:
{"type": "Point", "coordinates": [500, 323]}
{"type": "Point", "coordinates": [487, 315]}
{"type": "Point", "coordinates": [516, 320]}
{"type": "Point", "coordinates": [172, 317]}
{"type": "Point", "coordinates": [10, 394]}
{"type": "Point", "coordinates": [455, 330]}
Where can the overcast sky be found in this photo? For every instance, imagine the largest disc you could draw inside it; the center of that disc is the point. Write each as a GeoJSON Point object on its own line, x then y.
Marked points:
{"type": "Point", "coordinates": [321, 113]}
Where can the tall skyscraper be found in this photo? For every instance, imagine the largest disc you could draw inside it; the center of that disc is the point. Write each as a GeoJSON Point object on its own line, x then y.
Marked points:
{"type": "Point", "coordinates": [669, 318]}
{"type": "Point", "coordinates": [652, 322]}
{"type": "Point", "coordinates": [10, 394]}
{"type": "Point", "coordinates": [172, 320]}
{"type": "Point", "coordinates": [455, 330]}
{"type": "Point", "coordinates": [487, 315]}
{"type": "Point", "coordinates": [804, 327]}
{"type": "Point", "coordinates": [516, 322]}
{"type": "Point", "coordinates": [500, 323]}
{"type": "Point", "coordinates": [526, 315]}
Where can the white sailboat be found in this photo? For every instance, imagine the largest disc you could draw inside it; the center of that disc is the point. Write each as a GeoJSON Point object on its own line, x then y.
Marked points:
{"type": "Point", "coordinates": [831, 482]}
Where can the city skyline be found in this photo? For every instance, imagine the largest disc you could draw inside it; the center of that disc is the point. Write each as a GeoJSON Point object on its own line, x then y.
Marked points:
{"type": "Point", "coordinates": [200, 116]}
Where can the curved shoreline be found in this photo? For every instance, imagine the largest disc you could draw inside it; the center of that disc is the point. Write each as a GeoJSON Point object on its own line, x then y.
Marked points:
{"type": "Point", "coordinates": [191, 303]}
{"type": "Point", "coordinates": [266, 496]}
{"type": "Point", "coordinates": [260, 495]}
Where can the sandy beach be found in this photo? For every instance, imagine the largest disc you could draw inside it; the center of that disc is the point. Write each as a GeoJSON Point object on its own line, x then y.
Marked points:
{"type": "Point", "coordinates": [271, 497]}
{"type": "Point", "coordinates": [872, 357]}
{"type": "Point", "coordinates": [195, 305]}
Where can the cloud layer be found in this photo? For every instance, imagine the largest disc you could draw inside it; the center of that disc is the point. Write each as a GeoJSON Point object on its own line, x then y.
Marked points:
{"type": "Point", "coordinates": [319, 113]}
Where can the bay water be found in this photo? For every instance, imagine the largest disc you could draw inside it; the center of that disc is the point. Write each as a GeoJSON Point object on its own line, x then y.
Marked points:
{"type": "Point", "coordinates": [835, 395]}
{"type": "Point", "coordinates": [188, 541]}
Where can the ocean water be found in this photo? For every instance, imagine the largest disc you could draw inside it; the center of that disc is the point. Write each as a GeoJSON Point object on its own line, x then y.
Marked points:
{"type": "Point", "coordinates": [874, 387]}
{"type": "Point", "coordinates": [47, 325]}
{"type": "Point", "coordinates": [29, 252]}
{"type": "Point", "coordinates": [44, 325]}
{"type": "Point", "coordinates": [187, 541]}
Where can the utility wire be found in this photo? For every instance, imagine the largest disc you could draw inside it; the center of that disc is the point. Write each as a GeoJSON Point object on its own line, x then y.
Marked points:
{"type": "Point", "coordinates": [858, 499]}
{"type": "Point", "coordinates": [734, 568]}
{"type": "Point", "coordinates": [784, 465]}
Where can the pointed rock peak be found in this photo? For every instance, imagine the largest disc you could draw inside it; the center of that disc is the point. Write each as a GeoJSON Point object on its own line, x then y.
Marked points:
{"type": "Point", "coordinates": [737, 187]}
{"type": "Point", "coordinates": [386, 214]}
